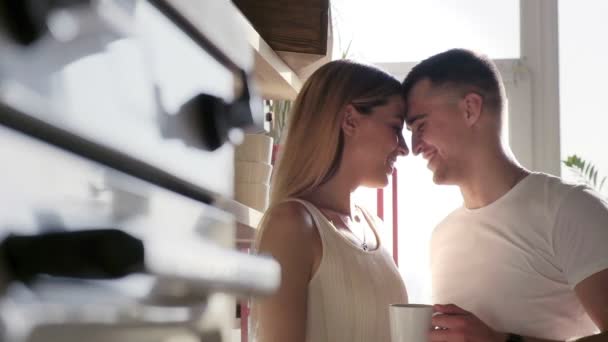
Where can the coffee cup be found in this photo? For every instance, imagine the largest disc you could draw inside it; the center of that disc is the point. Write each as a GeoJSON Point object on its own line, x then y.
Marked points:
{"type": "Point", "coordinates": [410, 322]}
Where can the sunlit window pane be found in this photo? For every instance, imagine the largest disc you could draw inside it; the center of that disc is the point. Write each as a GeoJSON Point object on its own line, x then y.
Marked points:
{"type": "Point", "coordinates": [583, 73]}
{"type": "Point", "coordinates": [422, 205]}
{"type": "Point", "coordinates": [410, 30]}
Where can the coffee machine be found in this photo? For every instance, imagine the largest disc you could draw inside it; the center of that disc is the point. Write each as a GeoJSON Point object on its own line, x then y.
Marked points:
{"type": "Point", "coordinates": [118, 121]}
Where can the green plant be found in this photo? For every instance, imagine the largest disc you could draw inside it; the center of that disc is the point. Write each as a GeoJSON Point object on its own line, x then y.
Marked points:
{"type": "Point", "coordinates": [344, 54]}
{"type": "Point", "coordinates": [340, 27]}
{"type": "Point", "coordinates": [586, 171]}
{"type": "Point", "coordinates": [279, 110]}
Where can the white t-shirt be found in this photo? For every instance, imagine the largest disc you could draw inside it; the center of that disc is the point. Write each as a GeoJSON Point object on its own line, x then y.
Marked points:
{"type": "Point", "coordinates": [515, 262]}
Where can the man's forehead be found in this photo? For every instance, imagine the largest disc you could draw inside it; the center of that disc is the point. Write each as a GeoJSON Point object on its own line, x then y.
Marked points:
{"type": "Point", "coordinates": [424, 93]}
{"type": "Point", "coordinates": [423, 87]}
{"type": "Point", "coordinates": [417, 97]}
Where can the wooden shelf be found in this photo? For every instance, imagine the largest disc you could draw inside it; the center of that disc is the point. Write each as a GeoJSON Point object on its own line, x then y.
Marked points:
{"type": "Point", "coordinates": [290, 25]}
{"type": "Point", "coordinates": [275, 79]}
{"type": "Point", "coordinates": [230, 30]}
{"type": "Point", "coordinates": [247, 220]}
{"type": "Point", "coordinates": [299, 31]}
{"type": "Point", "coordinates": [301, 46]}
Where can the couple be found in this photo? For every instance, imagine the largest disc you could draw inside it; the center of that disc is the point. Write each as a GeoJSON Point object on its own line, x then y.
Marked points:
{"type": "Point", "coordinates": [524, 259]}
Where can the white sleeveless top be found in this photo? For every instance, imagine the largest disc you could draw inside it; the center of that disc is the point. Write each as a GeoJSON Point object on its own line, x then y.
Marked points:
{"type": "Point", "coordinates": [349, 295]}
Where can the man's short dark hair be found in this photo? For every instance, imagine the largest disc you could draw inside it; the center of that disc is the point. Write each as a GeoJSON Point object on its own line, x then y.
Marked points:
{"type": "Point", "coordinates": [461, 68]}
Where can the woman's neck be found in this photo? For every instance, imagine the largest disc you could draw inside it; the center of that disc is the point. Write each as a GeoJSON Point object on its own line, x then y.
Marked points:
{"type": "Point", "coordinates": [335, 194]}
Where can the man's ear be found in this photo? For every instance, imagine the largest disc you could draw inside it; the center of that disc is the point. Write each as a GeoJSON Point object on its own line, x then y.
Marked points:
{"type": "Point", "coordinates": [473, 106]}
{"type": "Point", "coordinates": [350, 120]}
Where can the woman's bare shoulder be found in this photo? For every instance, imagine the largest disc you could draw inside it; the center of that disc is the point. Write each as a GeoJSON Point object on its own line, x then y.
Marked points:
{"type": "Point", "coordinates": [288, 217]}
{"type": "Point", "coordinates": [288, 235]}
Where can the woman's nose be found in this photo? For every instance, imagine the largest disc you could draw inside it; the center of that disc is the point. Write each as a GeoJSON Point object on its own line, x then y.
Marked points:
{"type": "Point", "coordinates": [402, 147]}
{"type": "Point", "coordinates": [416, 145]}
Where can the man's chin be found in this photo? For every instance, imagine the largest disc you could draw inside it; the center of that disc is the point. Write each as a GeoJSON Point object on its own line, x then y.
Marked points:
{"type": "Point", "coordinates": [440, 178]}
{"type": "Point", "coordinates": [438, 181]}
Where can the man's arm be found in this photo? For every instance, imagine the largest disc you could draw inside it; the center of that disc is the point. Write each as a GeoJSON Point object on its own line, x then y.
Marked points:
{"type": "Point", "coordinates": [459, 325]}
{"type": "Point", "coordinates": [603, 337]}
{"type": "Point", "coordinates": [593, 294]}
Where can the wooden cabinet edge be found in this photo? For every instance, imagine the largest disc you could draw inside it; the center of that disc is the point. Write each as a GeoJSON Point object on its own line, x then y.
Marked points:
{"type": "Point", "coordinates": [275, 79]}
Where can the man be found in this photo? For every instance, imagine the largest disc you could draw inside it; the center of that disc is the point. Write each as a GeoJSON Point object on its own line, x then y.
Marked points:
{"type": "Point", "coordinates": [526, 257]}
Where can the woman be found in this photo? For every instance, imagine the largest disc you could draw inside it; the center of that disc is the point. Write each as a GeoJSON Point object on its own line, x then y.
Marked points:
{"type": "Point", "coordinates": [337, 280]}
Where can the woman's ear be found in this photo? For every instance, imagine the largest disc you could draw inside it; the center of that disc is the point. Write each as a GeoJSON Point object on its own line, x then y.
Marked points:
{"type": "Point", "coordinates": [350, 120]}
{"type": "Point", "coordinates": [473, 105]}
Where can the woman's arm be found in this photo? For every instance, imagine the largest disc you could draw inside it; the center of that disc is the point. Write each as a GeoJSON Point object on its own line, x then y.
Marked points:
{"type": "Point", "coordinates": [288, 236]}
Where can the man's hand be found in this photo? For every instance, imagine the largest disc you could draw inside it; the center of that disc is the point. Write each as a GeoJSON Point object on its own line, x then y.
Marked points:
{"type": "Point", "coordinates": [458, 325]}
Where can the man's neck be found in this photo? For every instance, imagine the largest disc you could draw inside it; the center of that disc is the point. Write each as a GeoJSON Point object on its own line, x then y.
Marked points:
{"type": "Point", "coordinates": [489, 179]}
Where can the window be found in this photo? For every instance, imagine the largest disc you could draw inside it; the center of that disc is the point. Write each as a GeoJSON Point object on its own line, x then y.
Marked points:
{"type": "Point", "coordinates": [520, 36]}
{"type": "Point", "coordinates": [400, 31]}
{"type": "Point", "coordinates": [583, 72]}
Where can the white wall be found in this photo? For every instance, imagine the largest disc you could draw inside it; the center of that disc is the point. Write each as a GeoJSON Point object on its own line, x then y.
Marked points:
{"type": "Point", "coordinates": [583, 81]}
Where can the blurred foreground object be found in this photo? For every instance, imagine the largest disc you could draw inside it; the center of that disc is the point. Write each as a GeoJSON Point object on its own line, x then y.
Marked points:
{"type": "Point", "coordinates": [117, 125]}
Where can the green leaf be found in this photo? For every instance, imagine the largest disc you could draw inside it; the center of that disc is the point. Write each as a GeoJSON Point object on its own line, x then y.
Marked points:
{"type": "Point", "coordinates": [586, 170]}
{"type": "Point", "coordinates": [575, 161]}
{"type": "Point", "coordinates": [345, 53]}
{"type": "Point", "coordinates": [595, 178]}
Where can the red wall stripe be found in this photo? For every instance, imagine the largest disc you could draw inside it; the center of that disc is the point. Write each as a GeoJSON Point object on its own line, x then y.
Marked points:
{"type": "Point", "coordinates": [395, 220]}
{"type": "Point", "coordinates": [380, 203]}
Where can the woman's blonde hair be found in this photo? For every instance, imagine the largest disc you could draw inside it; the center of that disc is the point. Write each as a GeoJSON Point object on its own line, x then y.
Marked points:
{"type": "Point", "coordinates": [313, 147]}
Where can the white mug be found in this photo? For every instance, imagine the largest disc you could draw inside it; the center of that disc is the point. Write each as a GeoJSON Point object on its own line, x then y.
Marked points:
{"type": "Point", "coordinates": [410, 322]}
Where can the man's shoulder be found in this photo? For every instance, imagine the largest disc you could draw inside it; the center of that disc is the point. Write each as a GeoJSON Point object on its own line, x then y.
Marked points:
{"type": "Point", "coordinates": [551, 182]}
{"type": "Point", "coordinates": [551, 188]}
{"type": "Point", "coordinates": [556, 195]}
{"type": "Point", "coordinates": [454, 217]}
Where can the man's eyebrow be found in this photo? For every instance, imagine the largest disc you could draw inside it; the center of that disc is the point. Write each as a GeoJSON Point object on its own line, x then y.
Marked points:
{"type": "Point", "coordinates": [412, 119]}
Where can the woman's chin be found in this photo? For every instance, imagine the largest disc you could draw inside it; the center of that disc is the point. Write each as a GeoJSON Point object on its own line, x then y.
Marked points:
{"type": "Point", "coordinates": [382, 182]}
{"type": "Point", "coordinates": [378, 182]}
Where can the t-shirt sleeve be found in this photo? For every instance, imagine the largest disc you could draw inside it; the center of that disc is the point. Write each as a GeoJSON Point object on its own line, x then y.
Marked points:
{"type": "Point", "coordinates": [580, 239]}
